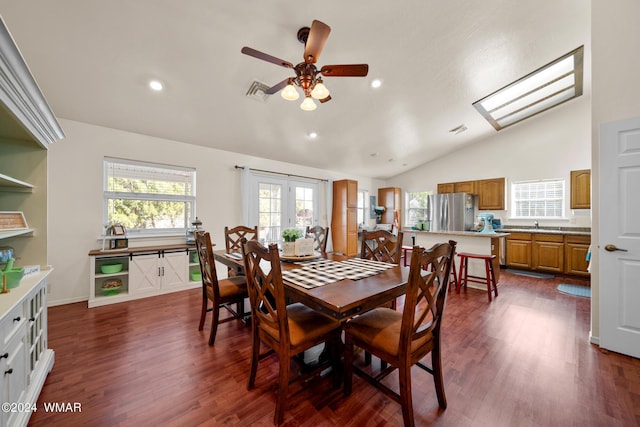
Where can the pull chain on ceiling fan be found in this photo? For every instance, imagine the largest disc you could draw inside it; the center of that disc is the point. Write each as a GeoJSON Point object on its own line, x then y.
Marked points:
{"type": "Point", "coordinates": [308, 77]}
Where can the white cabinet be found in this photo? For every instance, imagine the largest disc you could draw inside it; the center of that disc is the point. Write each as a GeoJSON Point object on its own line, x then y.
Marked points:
{"type": "Point", "coordinates": [152, 273]}
{"type": "Point", "coordinates": [146, 271]}
{"type": "Point", "coordinates": [25, 359]}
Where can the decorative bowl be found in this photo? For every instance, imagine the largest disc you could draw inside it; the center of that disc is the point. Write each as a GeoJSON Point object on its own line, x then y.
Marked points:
{"type": "Point", "coordinates": [111, 268]}
{"type": "Point", "coordinates": [111, 287]}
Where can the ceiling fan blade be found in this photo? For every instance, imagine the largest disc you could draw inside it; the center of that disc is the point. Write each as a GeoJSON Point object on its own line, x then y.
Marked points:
{"type": "Point", "coordinates": [278, 87]}
{"type": "Point", "coordinates": [352, 70]}
{"type": "Point", "coordinates": [266, 57]}
{"type": "Point", "coordinates": [315, 42]}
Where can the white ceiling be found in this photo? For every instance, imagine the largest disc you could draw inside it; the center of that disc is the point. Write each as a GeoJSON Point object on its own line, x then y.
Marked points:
{"type": "Point", "coordinates": [93, 61]}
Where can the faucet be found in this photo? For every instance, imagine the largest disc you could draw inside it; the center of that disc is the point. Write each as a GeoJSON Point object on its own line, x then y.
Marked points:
{"type": "Point", "coordinates": [536, 225]}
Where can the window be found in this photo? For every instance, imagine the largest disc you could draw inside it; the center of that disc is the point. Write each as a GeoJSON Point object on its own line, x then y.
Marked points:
{"type": "Point", "coordinates": [363, 206]}
{"type": "Point", "coordinates": [538, 199]}
{"type": "Point", "coordinates": [148, 198]}
{"type": "Point", "coordinates": [417, 204]}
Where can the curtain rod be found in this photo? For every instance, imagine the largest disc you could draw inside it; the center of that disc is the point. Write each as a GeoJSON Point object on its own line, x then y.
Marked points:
{"type": "Point", "coordinates": [281, 173]}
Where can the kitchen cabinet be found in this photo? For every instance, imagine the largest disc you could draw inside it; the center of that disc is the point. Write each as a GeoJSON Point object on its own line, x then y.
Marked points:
{"type": "Point", "coordinates": [146, 271]}
{"type": "Point", "coordinates": [27, 128]}
{"type": "Point", "coordinates": [575, 253]}
{"type": "Point", "coordinates": [548, 252]}
{"type": "Point", "coordinates": [490, 192]}
{"type": "Point", "coordinates": [581, 189]}
{"type": "Point", "coordinates": [446, 188]}
{"type": "Point", "coordinates": [344, 217]}
{"type": "Point", "coordinates": [391, 198]}
{"type": "Point", "coordinates": [518, 248]}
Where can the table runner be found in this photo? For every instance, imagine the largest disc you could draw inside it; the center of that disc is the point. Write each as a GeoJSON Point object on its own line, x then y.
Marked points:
{"type": "Point", "coordinates": [321, 272]}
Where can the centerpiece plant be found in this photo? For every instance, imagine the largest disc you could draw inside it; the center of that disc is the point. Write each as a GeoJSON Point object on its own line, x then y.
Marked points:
{"type": "Point", "coordinates": [289, 236]}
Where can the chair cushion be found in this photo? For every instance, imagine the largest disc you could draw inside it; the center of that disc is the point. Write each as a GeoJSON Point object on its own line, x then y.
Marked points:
{"type": "Point", "coordinates": [380, 328]}
{"type": "Point", "coordinates": [305, 324]}
{"type": "Point", "coordinates": [232, 286]}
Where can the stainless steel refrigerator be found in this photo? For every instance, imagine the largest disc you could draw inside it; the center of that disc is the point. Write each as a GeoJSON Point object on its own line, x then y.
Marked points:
{"type": "Point", "coordinates": [452, 212]}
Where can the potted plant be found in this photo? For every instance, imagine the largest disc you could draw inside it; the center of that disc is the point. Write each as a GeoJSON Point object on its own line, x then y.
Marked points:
{"type": "Point", "coordinates": [289, 237]}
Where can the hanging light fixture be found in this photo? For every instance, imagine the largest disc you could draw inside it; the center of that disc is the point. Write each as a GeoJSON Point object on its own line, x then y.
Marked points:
{"type": "Point", "coordinates": [308, 104]}
{"type": "Point", "coordinates": [289, 92]}
{"type": "Point", "coordinates": [319, 91]}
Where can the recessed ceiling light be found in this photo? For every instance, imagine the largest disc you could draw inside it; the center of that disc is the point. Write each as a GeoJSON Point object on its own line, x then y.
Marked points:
{"type": "Point", "coordinates": [313, 135]}
{"type": "Point", "coordinates": [376, 83]}
{"type": "Point", "coordinates": [155, 85]}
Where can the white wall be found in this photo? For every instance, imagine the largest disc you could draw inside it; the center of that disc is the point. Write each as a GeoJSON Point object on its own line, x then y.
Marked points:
{"type": "Point", "coordinates": [75, 193]}
{"type": "Point", "coordinates": [546, 146]}
{"type": "Point", "coordinates": [616, 95]}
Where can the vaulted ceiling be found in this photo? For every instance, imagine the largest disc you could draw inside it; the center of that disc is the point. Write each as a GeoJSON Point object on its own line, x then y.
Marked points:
{"type": "Point", "coordinates": [93, 61]}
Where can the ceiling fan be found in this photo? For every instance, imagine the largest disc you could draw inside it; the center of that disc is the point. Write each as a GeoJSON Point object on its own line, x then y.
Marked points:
{"type": "Point", "coordinates": [308, 77]}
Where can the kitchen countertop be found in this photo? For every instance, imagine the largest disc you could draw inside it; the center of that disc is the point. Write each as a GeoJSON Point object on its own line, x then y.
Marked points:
{"type": "Point", "coordinates": [408, 231]}
{"type": "Point", "coordinates": [575, 231]}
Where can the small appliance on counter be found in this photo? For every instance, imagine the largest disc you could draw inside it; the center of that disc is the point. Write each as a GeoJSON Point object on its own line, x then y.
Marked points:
{"type": "Point", "coordinates": [486, 219]}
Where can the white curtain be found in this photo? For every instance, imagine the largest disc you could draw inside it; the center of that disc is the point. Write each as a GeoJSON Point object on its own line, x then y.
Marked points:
{"type": "Point", "coordinates": [245, 194]}
{"type": "Point", "coordinates": [323, 189]}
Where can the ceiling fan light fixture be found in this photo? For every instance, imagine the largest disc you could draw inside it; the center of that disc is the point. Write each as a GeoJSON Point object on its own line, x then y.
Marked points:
{"type": "Point", "coordinates": [308, 104]}
{"type": "Point", "coordinates": [320, 91]}
{"type": "Point", "coordinates": [290, 93]}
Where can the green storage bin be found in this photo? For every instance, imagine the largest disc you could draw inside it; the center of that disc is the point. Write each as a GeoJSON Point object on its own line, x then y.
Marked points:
{"type": "Point", "coordinates": [14, 276]}
{"type": "Point", "coordinates": [196, 276]}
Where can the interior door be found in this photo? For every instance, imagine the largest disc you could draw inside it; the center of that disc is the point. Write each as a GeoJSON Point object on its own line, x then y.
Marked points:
{"type": "Point", "coordinates": [619, 245]}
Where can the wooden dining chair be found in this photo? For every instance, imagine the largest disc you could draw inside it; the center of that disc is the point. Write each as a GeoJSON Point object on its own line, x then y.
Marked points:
{"type": "Point", "coordinates": [381, 245]}
{"type": "Point", "coordinates": [221, 293]}
{"type": "Point", "coordinates": [402, 339]}
{"type": "Point", "coordinates": [233, 240]}
{"type": "Point", "coordinates": [320, 237]}
{"type": "Point", "coordinates": [287, 330]}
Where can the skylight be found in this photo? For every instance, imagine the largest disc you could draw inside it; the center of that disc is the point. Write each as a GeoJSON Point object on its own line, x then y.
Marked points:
{"type": "Point", "coordinates": [546, 87]}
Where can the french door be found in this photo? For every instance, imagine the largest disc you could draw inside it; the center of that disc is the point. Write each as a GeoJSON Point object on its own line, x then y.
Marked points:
{"type": "Point", "coordinates": [278, 203]}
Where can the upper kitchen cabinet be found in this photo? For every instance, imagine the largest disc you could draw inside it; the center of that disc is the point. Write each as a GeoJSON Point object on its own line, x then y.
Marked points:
{"type": "Point", "coordinates": [27, 127]}
{"type": "Point", "coordinates": [458, 187]}
{"type": "Point", "coordinates": [581, 189]}
{"type": "Point", "coordinates": [390, 198]}
{"type": "Point", "coordinates": [491, 194]}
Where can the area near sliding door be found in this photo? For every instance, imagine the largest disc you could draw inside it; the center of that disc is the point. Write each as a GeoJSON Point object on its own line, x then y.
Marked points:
{"type": "Point", "coordinates": [276, 203]}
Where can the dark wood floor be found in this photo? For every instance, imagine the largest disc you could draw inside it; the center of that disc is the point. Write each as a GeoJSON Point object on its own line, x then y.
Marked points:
{"type": "Point", "coordinates": [523, 360]}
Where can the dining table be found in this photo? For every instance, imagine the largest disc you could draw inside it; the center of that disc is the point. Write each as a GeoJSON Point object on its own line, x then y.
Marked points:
{"type": "Point", "coordinates": [340, 299]}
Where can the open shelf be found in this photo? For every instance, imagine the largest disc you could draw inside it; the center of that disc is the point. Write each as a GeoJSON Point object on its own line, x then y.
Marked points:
{"type": "Point", "coordinates": [8, 183]}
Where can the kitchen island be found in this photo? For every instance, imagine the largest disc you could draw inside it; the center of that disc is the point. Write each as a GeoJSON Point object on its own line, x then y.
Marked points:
{"type": "Point", "coordinates": [467, 241]}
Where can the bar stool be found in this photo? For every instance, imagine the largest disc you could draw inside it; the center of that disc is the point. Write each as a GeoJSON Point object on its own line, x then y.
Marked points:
{"type": "Point", "coordinates": [489, 279]}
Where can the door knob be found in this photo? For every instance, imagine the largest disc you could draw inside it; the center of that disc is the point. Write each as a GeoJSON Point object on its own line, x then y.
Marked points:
{"type": "Point", "coordinates": [613, 248]}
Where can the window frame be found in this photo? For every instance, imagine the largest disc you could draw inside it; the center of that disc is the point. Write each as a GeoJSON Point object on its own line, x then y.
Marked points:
{"type": "Point", "coordinates": [409, 209]}
{"type": "Point", "coordinates": [188, 199]}
{"type": "Point", "coordinates": [561, 201]}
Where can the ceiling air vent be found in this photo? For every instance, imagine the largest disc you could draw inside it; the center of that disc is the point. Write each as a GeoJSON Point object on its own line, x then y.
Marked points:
{"type": "Point", "coordinates": [257, 90]}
